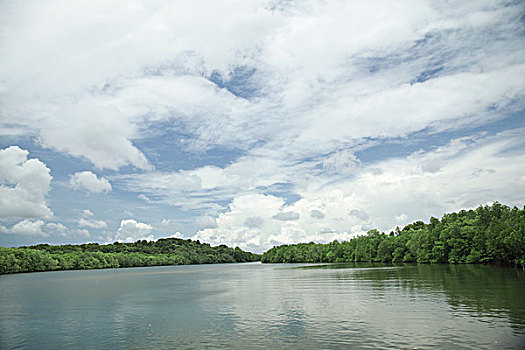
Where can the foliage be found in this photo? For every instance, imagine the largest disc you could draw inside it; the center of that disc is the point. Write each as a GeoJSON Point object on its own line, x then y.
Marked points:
{"type": "Point", "coordinates": [488, 234]}
{"type": "Point", "coordinates": [169, 251]}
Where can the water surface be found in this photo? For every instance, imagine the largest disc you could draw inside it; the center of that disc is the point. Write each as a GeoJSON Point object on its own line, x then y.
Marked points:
{"type": "Point", "coordinates": [281, 306]}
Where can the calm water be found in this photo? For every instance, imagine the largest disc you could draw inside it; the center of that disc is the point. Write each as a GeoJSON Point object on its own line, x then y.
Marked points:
{"type": "Point", "coordinates": [246, 306]}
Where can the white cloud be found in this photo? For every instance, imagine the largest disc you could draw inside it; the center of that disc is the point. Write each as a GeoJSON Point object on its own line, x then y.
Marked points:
{"type": "Point", "coordinates": [203, 222]}
{"type": "Point", "coordinates": [286, 216]}
{"type": "Point", "coordinates": [177, 235]}
{"type": "Point", "coordinates": [373, 197]}
{"type": "Point", "coordinates": [132, 231]}
{"type": "Point", "coordinates": [25, 228]}
{"type": "Point", "coordinates": [360, 214]}
{"type": "Point", "coordinates": [317, 214]}
{"type": "Point", "coordinates": [253, 221]}
{"type": "Point", "coordinates": [80, 233]}
{"type": "Point", "coordinates": [401, 218]}
{"type": "Point", "coordinates": [341, 161]}
{"type": "Point", "coordinates": [88, 213]}
{"type": "Point", "coordinates": [147, 64]}
{"type": "Point", "coordinates": [78, 114]}
{"type": "Point", "coordinates": [80, 131]}
{"type": "Point", "coordinates": [313, 99]}
{"type": "Point", "coordinates": [250, 223]}
{"type": "Point", "coordinates": [90, 182]}
{"type": "Point", "coordinates": [144, 198]}
{"type": "Point", "coordinates": [56, 229]}
{"type": "Point", "coordinates": [24, 184]}
{"type": "Point", "coordinates": [97, 224]}
{"type": "Point", "coordinates": [55, 226]}
{"type": "Point", "coordinates": [165, 223]}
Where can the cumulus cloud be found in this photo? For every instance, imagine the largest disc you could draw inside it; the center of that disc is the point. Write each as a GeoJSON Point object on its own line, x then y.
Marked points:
{"type": "Point", "coordinates": [144, 198]}
{"type": "Point", "coordinates": [202, 187]}
{"type": "Point", "coordinates": [286, 216]}
{"type": "Point", "coordinates": [98, 133]}
{"type": "Point", "coordinates": [301, 106]}
{"type": "Point", "coordinates": [26, 228]}
{"type": "Point", "coordinates": [317, 214]}
{"type": "Point", "coordinates": [360, 214]}
{"type": "Point", "coordinates": [56, 226]}
{"type": "Point", "coordinates": [80, 233]}
{"type": "Point", "coordinates": [372, 198]}
{"type": "Point", "coordinates": [341, 161]}
{"type": "Point", "coordinates": [177, 235]}
{"type": "Point", "coordinates": [253, 221]}
{"type": "Point", "coordinates": [56, 229]}
{"type": "Point", "coordinates": [101, 120]}
{"type": "Point", "coordinates": [24, 184]}
{"type": "Point", "coordinates": [97, 224]}
{"type": "Point", "coordinates": [165, 222]}
{"type": "Point", "coordinates": [203, 222]}
{"type": "Point", "coordinates": [401, 218]}
{"type": "Point", "coordinates": [250, 223]}
{"type": "Point", "coordinates": [131, 231]}
{"type": "Point", "coordinates": [89, 181]}
{"type": "Point", "coordinates": [383, 82]}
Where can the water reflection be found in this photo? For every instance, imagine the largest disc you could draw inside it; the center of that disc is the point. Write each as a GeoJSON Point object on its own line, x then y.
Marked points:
{"type": "Point", "coordinates": [478, 289]}
{"type": "Point", "coordinates": [266, 306]}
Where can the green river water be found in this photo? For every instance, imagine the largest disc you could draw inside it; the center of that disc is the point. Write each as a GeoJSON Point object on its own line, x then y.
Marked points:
{"type": "Point", "coordinates": [266, 306]}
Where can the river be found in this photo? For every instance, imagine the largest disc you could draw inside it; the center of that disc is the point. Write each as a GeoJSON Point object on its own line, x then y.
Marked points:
{"type": "Point", "coordinates": [266, 306]}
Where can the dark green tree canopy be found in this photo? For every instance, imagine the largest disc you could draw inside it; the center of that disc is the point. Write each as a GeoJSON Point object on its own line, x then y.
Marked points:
{"type": "Point", "coordinates": [488, 234]}
{"type": "Point", "coordinates": [169, 251]}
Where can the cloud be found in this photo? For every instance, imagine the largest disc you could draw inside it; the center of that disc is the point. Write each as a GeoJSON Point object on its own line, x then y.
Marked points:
{"type": "Point", "coordinates": [198, 105]}
{"type": "Point", "coordinates": [287, 216]}
{"type": "Point", "coordinates": [78, 130]}
{"type": "Point", "coordinates": [358, 214]}
{"type": "Point", "coordinates": [88, 213]}
{"type": "Point", "coordinates": [132, 231]}
{"type": "Point", "coordinates": [82, 115]}
{"type": "Point", "coordinates": [165, 223]}
{"type": "Point", "coordinates": [177, 235]}
{"type": "Point", "coordinates": [26, 228]}
{"type": "Point", "coordinates": [250, 224]}
{"type": "Point", "coordinates": [341, 161]}
{"type": "Point", "coordinates": [24, 184]}
{"type": "Point", "coordinates": [82, 233]}
{"type": "Point", "coordinates": [90, 182]}
{"type": "Point", "coordinates": [380, 189]}
{"type": "Point", "coordinates": [372, 198]}
{"type": "Point", "coordinates": [203, 222]}
{"type": "Point", "coordinates": [317, 214]}
{"type": "Point", "coordinates": [414, 70]}
{"type": "Point", "coordinates": [401, 218]}
{"type": "Point", "coordinates": [97, 224]}
{"type": "Point", "coordinates": [254, 221]}
{"type": "Point", "coordinates": [55, 226]}
{"type": "Point", "coordinates": [144, 198]}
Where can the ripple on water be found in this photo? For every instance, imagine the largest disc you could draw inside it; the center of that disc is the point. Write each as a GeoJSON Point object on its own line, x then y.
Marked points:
{"type": "Point", "coordinates": [265, 306]}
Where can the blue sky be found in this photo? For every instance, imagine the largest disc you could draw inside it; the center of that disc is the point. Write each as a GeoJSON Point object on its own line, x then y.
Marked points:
{"type": "Point", "coordinates": [255, 123]}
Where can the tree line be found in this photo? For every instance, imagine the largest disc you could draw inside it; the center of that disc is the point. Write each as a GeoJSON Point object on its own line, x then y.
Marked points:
{"type": "Point", "coordinates": [169, 251]}
{"type": "Point", "coordinates": [488, 234]}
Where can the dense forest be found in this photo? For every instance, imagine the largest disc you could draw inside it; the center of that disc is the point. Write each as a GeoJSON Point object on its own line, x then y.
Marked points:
{"type": "Point", "coordinates": [169, 251]}
{"type": "Point", "coordinates": [488, 234]}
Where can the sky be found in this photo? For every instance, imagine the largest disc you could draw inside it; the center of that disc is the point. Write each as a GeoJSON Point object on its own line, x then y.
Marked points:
{"type": "Point", "coordinates": [255, 123]}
